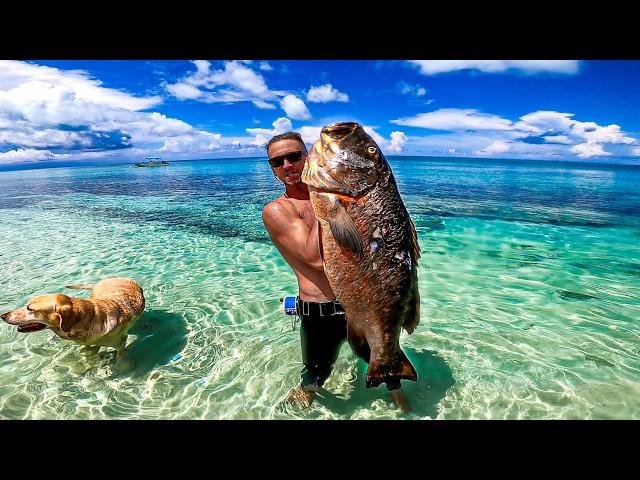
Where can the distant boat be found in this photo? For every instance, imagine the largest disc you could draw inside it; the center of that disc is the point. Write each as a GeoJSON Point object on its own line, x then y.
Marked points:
{"type": "Point", "coordinates": [152, 162]}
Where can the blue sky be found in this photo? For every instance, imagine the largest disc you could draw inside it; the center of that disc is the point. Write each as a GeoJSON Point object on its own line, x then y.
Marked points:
{"type": "Point", "coordinates": [108, 110]}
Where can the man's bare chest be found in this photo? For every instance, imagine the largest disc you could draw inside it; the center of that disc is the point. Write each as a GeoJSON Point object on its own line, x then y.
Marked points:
{"type": "Point", "coordinates": [305, 211]}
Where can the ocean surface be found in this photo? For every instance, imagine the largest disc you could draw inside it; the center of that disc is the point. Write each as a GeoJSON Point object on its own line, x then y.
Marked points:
{"type": "Point", "coordinates": [529, 283]}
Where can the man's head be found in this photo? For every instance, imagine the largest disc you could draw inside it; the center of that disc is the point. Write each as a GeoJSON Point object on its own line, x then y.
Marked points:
{"type": "Point", "coordinates": [286, 154]}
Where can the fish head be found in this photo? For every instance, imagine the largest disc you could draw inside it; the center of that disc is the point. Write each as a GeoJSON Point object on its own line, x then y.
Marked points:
{"type": "Point", "coordinates": [345, 160]}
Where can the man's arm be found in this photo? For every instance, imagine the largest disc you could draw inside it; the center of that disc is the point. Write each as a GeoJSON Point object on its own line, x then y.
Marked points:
{"type": "Point", "coordinates": [292, 236]}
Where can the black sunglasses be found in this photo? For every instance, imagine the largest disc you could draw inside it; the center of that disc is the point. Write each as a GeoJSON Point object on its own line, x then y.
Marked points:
{"type": "Point", "coordinates": [293, 157]}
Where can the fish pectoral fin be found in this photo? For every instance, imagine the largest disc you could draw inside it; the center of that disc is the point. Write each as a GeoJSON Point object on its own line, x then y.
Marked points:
{"type": "Point", "coordinates": [320, 241]}
{"type": "Point", "coordinates": [344, 230]}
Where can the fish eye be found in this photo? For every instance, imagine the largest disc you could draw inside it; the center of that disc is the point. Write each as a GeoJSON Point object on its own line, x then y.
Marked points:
{"type": "Point", "coordinates": [372, 150]}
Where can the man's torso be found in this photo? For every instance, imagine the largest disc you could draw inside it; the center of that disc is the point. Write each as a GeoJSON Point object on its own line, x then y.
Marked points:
{"type": "Point", "coordinates": [313, 285]}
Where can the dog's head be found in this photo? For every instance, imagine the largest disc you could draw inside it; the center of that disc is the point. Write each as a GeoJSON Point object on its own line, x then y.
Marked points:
{"type": "Point", "coordinates": [44, 311]}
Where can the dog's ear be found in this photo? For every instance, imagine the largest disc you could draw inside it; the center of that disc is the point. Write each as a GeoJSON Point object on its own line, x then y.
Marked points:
{"type": "Point", "coordinates": [65, 314]}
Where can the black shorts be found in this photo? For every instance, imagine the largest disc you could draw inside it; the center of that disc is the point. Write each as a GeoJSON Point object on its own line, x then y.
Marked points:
{"type": "Point", "coordinates": [323, 330]}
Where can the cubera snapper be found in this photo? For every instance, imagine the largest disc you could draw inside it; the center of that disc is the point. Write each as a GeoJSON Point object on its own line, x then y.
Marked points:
{"type": "Point", "coordinates": [368, 245]}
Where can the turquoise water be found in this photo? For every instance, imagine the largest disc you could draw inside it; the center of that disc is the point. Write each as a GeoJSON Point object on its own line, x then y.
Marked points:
{"type": "Point", "coordinates": [529, 280]}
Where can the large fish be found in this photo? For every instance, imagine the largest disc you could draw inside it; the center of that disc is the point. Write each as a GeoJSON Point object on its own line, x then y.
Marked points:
{"type": "Point", "coordinates": [369, 247]}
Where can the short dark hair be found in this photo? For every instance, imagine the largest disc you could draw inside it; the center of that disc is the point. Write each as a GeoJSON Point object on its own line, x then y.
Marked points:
{"type": "Point", "coordinates": [285, 136]}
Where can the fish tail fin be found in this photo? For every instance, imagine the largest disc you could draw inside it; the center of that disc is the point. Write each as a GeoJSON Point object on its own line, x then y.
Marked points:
{"type": "Point", "coordinates": [79, 286]}
{"type": "Point", "coordinates": [390, 372]}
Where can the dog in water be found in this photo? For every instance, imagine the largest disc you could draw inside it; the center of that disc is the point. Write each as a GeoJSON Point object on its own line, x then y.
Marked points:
{"type": "Point", "coordinates": [103, 320]}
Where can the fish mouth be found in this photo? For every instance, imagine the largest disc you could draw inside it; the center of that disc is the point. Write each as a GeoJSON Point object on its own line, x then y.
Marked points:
{"type": "Point", "coordinates": [318, 177]}
{"type": "Point", "coordinates": [31, 327]}
{"type": "Point", "coordinates": [338, 131]}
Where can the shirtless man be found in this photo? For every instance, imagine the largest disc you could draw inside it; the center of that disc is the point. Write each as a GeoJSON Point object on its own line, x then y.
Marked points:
{"type": "Point", "coordinates": [293, 228]}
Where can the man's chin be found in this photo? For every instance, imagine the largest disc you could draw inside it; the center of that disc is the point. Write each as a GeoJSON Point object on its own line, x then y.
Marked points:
{"type": "Point", "coordinates": [293, 180]}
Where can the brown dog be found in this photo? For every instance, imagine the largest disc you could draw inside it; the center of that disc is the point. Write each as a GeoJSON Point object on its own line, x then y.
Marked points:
{"type": "Point", "coordinates": [103, 320]}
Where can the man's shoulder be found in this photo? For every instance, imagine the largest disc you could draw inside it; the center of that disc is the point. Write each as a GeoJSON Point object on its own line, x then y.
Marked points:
{"type": "Point", "coordinates": [278, 208]}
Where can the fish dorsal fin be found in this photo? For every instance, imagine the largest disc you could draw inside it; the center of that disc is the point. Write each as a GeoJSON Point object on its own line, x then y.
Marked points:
{"type": "Point", "coordinates": [344, 230]}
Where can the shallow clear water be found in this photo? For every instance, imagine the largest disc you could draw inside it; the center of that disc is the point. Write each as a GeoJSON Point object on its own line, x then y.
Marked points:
{"type": "Point", "coordinates": [529, 282]}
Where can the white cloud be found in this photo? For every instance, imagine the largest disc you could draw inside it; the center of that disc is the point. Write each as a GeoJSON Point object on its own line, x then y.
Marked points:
{"type": "Point", "coordinates": [326, 93]}
{"type": "Point", "coordinates": [408, 89]}
{"type": "Point", "coordinates": [45, 96]}
{"type": "Point", "coordinates": [395, 145]}
{"type": "Point", "coordinates": [25, 135]}
{"type": "Point", "coordinates": [541, 133]}
{"type": "Point", "coordinates": [404, 87]}
{"type": "Point", "coordinates": [544, 120]}
{"type": "Point", "coordinates": [162, 126]}
{"type": "Point", "coordinates": [562, 139]}
{"type": "Point", "coordinates": [265, 66]}
{"type": "Point", "coordinates": [15, 74]}
{"type": "Point", "coordinates": [470, 143]}
{"type": "Point", "coordinates": [398, 139]}
{"type": "Point", "coordinates": [635, 151]}
{"type": "Point", "coordinates": [433, 67]}
{"type": "Point", "coordinates": [595, 133]}
{"type": "Point", "coordinates": [264, 105]}
{"type": "Point", "coordinates": [310, 134]}
{"type": "Point", "coordinates": [48, 109]}
{"type": "Point", "coordinates": [379, 139]}
{"type": "Point", "coordinates": [236, 82]}
{"type": "Point", "coordinates": [25, 155]}
{"type": "Point", "coordinates": [587, 150]}
{"type": "Point", "coordinates": [184, 91]}
{"type": "Point", "coordinates": [281, 125]}
{"type": "Point", "coordinates": [260, 140]}
{"type": "Point", "coordinates": [196, 142]}
{"type": "Point", "coordinates": [456, 119]}
{"type": "Point", "coordinates": [242, 78]}
{"type": "Point", "coordinates": [496, 147]}
{"type": "Point", "coordinates": [295, 108]}
{"type": "Point", "coordinates": [262, 135]}
{"type": "Point", "coordinates": [569, 130]}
